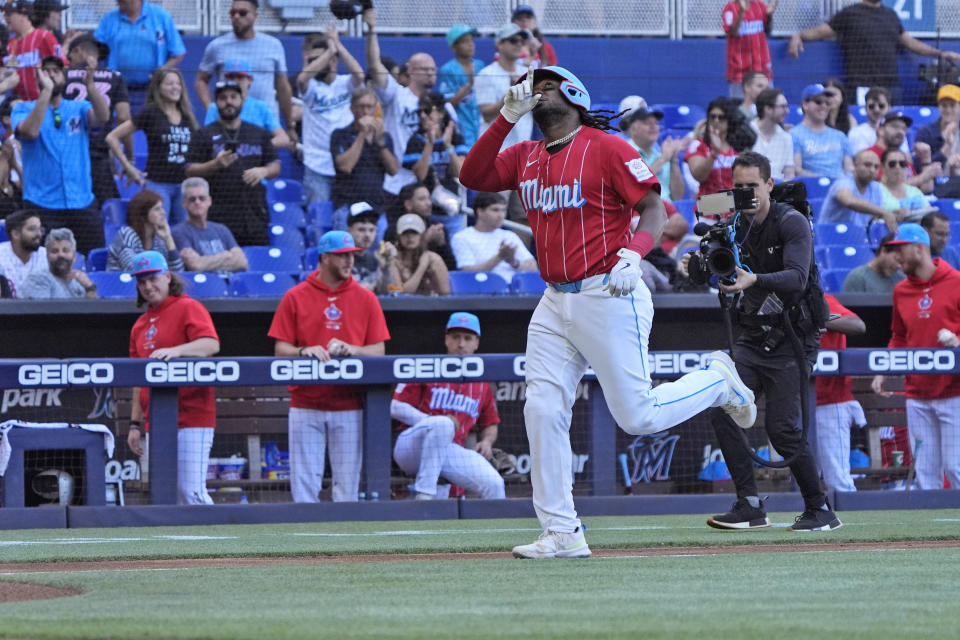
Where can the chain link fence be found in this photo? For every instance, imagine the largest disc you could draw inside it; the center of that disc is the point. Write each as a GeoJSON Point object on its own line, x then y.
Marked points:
{"type": "Point", "coordinates": [188, 15]}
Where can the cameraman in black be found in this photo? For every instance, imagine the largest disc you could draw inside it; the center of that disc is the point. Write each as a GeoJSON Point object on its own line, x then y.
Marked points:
{"type": "Point", "coordinates": [776, 244]}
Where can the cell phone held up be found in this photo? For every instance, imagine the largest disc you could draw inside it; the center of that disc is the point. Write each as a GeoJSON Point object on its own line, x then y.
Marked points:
{"type": "Point", "coordinates": [728, 201]}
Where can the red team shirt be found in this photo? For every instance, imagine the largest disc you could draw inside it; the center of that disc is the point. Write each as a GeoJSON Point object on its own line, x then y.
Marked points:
{"type": "Point", "coordinates": [834, 389]}
{"type": "Point", "coordinates": [721, 175]}
{"type": "Point", "coordinates": [920, 309]}
{"type": "Point", "coordinates": [469, 403]}
{"type": "Point", "coordinates": [579, 201]}
{"type": "Point", "coordinates": [177, 320]}
{"type": "Point", "coordinates": [311, 314]}
{"type": "Point", "coordinates": [748, 51]}
{"type": "Point", "coordinates": [28, 51]}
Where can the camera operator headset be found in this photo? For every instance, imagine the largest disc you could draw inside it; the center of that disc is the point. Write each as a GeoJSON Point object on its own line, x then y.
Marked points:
{"type": "Point", "coordinates": [763, 257]}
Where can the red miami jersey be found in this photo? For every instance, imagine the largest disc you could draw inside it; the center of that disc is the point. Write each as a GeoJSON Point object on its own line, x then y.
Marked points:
{"type": "Point", "coordinates": [469, 403]}
{"type": "Point", "coordinates": [579, 200]}
{"type": "Point", "coordinates": [834, 389]}
{"type": "Point", "coordinates": [721, 175]}
{"type": "Point", "coordinates": [175, 321]}
{"type": "Point", "coordinates": [310, 314]}
{"type": "Point", "coordinates": [27, 52]}
{"type": "Point", "coordinates": [920, 309]}
{"type": "Point", "coordinates": [748, 50]}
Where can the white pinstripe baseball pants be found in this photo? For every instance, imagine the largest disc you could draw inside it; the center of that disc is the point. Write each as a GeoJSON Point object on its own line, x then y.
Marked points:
{"type": "Point", "coordinates": [936, 425]}
{"type": "Point", "coordinates": [311, 431]}
{"type": "Point", "coordinates": [833, 442]}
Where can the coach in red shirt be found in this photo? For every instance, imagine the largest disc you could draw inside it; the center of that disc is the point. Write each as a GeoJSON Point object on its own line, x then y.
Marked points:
{"type": "Point", "coordinates": [326, 316]}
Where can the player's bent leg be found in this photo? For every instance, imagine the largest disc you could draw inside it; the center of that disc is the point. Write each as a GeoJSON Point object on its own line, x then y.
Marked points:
{"type": "Point", "coordinates": [739, 404]}
{"type": "Point", "coordinates": [436, 436]}
{"type": "Point", "coordinates": [193, 453]}
{"type": "Point", "coordinates": [473, 472]}
{"type": "Point", "coordinates": [308, 442]}
{"type": "Point", "coordinates": [345, 436]}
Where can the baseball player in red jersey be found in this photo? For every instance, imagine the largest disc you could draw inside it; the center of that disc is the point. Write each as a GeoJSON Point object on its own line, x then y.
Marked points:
{"type": "Point", "coordinates": [926, 313]}
{"type": "Point", "coordinates": [836, 407]}
{"type": "Point", "coordinates": [580, 187]}
{"type": "Point", "coordinates": [28, 48]}
{"type": "Point", "coordinates": [744, 22]}
{"type": "Point", "coordinates": [437, 418]}
{"type": "Point", "coordinates": [328, 315]}
{"type": "Point", "coordinates": [174, 326]}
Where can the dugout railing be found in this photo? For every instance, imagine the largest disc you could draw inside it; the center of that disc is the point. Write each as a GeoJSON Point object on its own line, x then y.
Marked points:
{"type": "Point", "coordinates": [379, 375]}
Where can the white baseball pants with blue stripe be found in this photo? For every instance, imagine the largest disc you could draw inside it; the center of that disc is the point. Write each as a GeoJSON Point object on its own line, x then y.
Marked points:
{"type": "Point", "coordinates": [567, 332]}
{"type": "Point", "coordinates": [427, 450]}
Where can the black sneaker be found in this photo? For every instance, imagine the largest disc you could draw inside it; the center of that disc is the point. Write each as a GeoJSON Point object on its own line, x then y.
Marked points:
{"type": "Point", "coordinates": [741, 516]}
{"type": "Point", "coordinates": [816, 520]}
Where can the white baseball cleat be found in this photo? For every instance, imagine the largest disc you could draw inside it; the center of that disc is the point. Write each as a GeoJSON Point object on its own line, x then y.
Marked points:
{"type": "Point", "coordinates": [740, 404]}
{"type": "Point", "coordinates": [555, 544]}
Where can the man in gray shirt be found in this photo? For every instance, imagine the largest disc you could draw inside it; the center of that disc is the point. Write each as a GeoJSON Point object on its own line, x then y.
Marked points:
{"type": "Point", "coordinates": [264, 52]}
{"type": "Point", "coordinates": [879, 275]}
{"type": "Point", "coordinates": [62, 281]}
{"type": "Point", "coordinates": [857, 200]}
{"type": "Point", "coordinates": [205, 245]}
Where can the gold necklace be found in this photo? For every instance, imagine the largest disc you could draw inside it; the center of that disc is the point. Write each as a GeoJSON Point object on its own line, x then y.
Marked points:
{"type": "Point", "coordinates": [564, 139]}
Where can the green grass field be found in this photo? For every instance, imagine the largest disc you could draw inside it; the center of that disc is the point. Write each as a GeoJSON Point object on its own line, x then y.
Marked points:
{"type": "Point", "coordinates": [903, 593]}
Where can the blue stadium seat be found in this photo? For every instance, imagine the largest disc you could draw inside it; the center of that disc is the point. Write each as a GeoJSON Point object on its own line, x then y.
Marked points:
{"type": "Point", "coordinates": [3, 231]}
{"type": "Point", "coordinates": [816, 204]}
{"type": "Point", "coordinates": [284, 190]}
{"type": "Point", "coordinates": [875, 234]}
{"type": "Point", "coordinates": [97, 259]}
{"type": "Point", "coordinates": [828, 233]}
{"type": "Point", "coordinates": [283, 236]}
{"type": "Point", "coordinates": [832, 279]}
{"type": "Point", "coordinates": [127, 192]}
{"type": "Point", "coordinates": [921, 114]}
{"type": "Point", "coordinates": [817, 186]}
{"type": "Point", "coordinates": [260, 284]}
{"type": "Point", "coordinates": [272, 258]}
{"type": "Point", "coordinates": [820, 256]}
{"type": "Point", "coordinates": [794, 115]}
{"type": "Point", "coordinates": [524, 282]}
{"type": "Point", "coordinates": [114, 284]}
{"type": "Point", "coordinates": [848, 257]}
{"type": "Point", "coordinates": [288, 214]}
{"type": "Point", "coordinates": [114, 211]}
{"type": "Point", "coordinates": [109, 231]}
{"type": "Point", "coordinates": [680, 116]}
{"type": "Point", "coordinates": [311, 258]}
{"type": "Point", "coordinates": [954, 234]}
{"type": "Point", "coordinates": [205, 285]}
{"type": "Point", "coordinates": [949, 206]}
{"type": "Point", "coordinates": [79, 262]}
{"type": "Point", "coordinates": [320, 214]}
{"type": "Point", "coordinates": [476, 282]}
{"type": "Point", "coordinates": [685, 208]}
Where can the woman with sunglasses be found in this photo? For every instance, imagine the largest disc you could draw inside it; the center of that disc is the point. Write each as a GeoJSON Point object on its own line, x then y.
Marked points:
{"type": "Point", "coordinates": [724, 136]}
{"type": "Point", "coordinates": [174, 326]}
{"type": "Point", "coordinates": [168, 122]}
{"type": "Point", "coordinates": [898, 196]}
{"type": "Point", "coordinates": [147, 229]}
{"type": "Point", "coordinates": [838, 116]}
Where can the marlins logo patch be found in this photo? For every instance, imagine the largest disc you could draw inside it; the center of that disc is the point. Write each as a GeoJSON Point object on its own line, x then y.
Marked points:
{"type": "Point", "coordinates": [639, 169]}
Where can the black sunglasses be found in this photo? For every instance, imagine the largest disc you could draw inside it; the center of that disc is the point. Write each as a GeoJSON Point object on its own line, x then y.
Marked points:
{"type": "Point", "coordinates": [717, 116]}
{"type": "Point", "coordinates": [893, 163]}
{"type": "Point", "coordinates": [243, 13]}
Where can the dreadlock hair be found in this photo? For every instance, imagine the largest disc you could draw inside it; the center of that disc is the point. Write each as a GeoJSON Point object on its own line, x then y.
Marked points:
{"type": "Point", "coordinates": [597, 120]}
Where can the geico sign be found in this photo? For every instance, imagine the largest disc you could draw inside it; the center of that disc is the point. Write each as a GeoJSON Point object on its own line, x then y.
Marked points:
{"type": "Point", "coordinates": [56, 373]}
{"type": "Point", "coordinates": [449, 367]}
{"type": "Point", "coordinates": [210, 371]}
{"type": "Point", "coordinates": [293, 370]}
{"type": "Point", "coordinates": [672, 362]}
{"type": "Point", "coordinates": [827, 362]}
{"type": "Point", "coordinates": [920, 360]}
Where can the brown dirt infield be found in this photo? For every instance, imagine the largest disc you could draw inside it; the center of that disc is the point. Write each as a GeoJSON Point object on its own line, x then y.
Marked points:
{"type": "Point", "coordinates": [16, 591]}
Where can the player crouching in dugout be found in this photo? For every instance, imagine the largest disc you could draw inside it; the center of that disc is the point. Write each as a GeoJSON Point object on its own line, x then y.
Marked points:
{"type": "Point", "coordinates": [437, 417]}
{"type": "Point", "coordinates": [776, 292]}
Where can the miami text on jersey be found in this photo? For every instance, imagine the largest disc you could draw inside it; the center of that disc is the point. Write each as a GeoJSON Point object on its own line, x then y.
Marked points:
{"type": "Point", "coordinates": [535, 195]}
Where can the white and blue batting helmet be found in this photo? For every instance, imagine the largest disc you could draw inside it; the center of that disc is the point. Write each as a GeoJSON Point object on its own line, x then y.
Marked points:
{"type": "Point", "coordinates": [570, 85]}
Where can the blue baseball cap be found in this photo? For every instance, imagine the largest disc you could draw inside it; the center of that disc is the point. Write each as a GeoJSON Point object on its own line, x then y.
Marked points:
{"type": "Point", "coordinates": [457, 31]}
{"type": "Point", "coordinates": [523, 10]}
{"type": "Point", "coordinates": [237, 66]}
{"type": "Point", "coordinates": [570, 86]}
{"type": "Point", "coordinates": [149, 262]}
{"type": "Point", "coordinates": [336, 242]}
{"type": "Point", "coordinates": [464, 320]}
{"type": "Point", "coordinates": [812, 91]}
{"type": "Point", "coordinates": [910, 233]}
